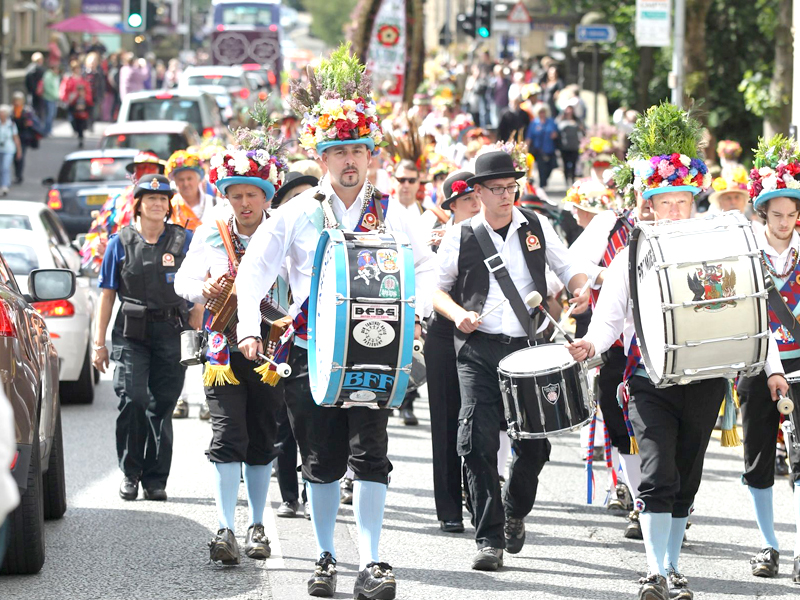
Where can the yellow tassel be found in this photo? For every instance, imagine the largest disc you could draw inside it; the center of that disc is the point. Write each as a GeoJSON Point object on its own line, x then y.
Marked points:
{"type": "Point", "coordinates": [269, 377]}
{"type": "Point", "coordinates": [634, 445]}
{"type": "Point", "coordinates": [730, 438]}
{"type": "Point", "coordinates": [736, 397]}
{"type": "Point", "coordinates": [219, 375]}
{"type": "Point", "coordinates": [722, 408]}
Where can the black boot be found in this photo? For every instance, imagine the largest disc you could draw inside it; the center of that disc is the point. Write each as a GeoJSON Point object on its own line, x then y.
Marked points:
{"type": "Point", "coordinates": [376, 582]}
{"type": "Point", "coordinates": [223, 548]}
{"type": "Point", "coordinates": [323, 582]}
{"type": "Point", "coordinates": [129, 488]}
{"type": "Point", "coordinates": [256, 543]}
{"type": "Point", "coordinates": [765, 563]}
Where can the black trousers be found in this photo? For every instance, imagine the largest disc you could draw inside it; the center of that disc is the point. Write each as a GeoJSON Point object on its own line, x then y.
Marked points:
{"type": "Point", "coordinates": [444, 398]}
{"type": "Point", "coordinates": [673, 426]}
{"type": "Point", "coordinates": [243, 417]}
{"type": "Point", "coordinates": [148, 379]}
{"type": "Point", "coordinates": [286, 445]}
{"type": "Point", "coordinates": [481, 419]}
{"type": "Point", "coordinates": [761, 420]}
{"type": "Point", "coordinates": [331, 439]}
{"type": "Point", "coordinates": [608, 381]}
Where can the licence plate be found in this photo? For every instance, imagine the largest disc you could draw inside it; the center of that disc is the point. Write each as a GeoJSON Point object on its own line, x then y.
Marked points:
{"type": "Point", "coordinates": [96, 200]}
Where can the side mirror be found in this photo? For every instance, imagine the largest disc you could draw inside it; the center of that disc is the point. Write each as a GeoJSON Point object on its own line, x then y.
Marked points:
{"type": "Point", "coordinates": [51, 284]}
{"type": "Point", "coordinates": [48, 182]}
{"type": "Point", "coordinates": [79, 241]}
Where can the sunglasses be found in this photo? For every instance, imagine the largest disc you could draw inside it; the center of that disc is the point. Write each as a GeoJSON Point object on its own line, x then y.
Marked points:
{"type": "Point", "coordinates": [406, 179]}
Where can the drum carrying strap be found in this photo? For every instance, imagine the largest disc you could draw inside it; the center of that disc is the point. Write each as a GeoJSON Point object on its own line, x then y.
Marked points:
{"type": "Point", "coordinates": [504, 280]}
{"type": "Point", "coordinates": [784, 314]}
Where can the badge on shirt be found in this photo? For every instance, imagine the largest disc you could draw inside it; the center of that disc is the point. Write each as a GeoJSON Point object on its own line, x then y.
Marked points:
{"type": "Point", "coordinates": [370, 221]}
{"type": "Point", "coordinates": [532, 242]}
{"type": "Point", "coordinates": [167, 260]}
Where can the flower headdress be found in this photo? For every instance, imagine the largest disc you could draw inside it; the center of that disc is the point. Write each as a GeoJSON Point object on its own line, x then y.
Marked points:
{"type": "Point", "coordinates": [258, 158]}
{"type": "Point", "coordinates": [776, 167]}
{"type": "Point", "coordinates": [336, 104]}
{"type": "Point", "coordinates": [182, 160]}
{"type": "Point", "coordinates": [517, 150]}
{"type": "Point", "coordinates": [729, 149]}
{"type": "Point", "coordinates": [590, 195]}
{"type": "Point", "coordinates": [664, 156]}
{"type": "Point", "coordinates": [734, 182]}
{"type": "Point", "coordinates": [597, 148]}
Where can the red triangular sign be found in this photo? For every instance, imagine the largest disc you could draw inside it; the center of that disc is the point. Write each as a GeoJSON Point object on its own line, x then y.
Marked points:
{"type": "Point", "coordinates": [519, 14]}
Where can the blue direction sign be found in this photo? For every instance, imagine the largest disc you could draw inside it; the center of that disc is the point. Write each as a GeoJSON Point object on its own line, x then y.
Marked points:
{"type": "Point", "coordinates": [595, 33]}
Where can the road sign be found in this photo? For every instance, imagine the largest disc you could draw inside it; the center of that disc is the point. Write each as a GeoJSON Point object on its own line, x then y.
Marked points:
{"type": "Point", "coordinates": [653, 23]}
{"type": "Point", "coordinates": [596, 34]}
{"type": "Point", "coordinates": [519, 14]}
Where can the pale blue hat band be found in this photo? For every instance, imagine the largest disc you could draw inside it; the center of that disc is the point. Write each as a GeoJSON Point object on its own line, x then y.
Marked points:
{"type": "Point", "coordinates": [224, 183]}
{"type": "Point", "coordinates": [785, 193]}
{"type": "Point", "coordinates": [671, 188]}
{"type": "Point", "coordinates": [367, 141]}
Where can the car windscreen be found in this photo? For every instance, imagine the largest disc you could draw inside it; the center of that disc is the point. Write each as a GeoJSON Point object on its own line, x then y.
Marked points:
{"type": "Point", "coordinates": [15, 222]}
{"type": "Point", "coordinates": [163, 144]}
{"type": "Point", "coordinates": [21, 259]}
{"type": "Point", "coordinates": [226, 81]}
{"type": "Point", "coordinates": [94, 170]}
{"type": "Point", "coordinates": [172, 109]}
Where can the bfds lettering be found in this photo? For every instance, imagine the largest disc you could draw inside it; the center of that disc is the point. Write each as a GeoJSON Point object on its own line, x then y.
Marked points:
{"type": "Point", "coordinates": [364, 380]}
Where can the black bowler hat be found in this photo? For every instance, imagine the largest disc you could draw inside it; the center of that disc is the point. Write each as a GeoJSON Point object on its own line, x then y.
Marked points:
{"type": "Point", "coordinates": [293, 179]}
{"type": "Point", "coordinates": [153, 184]}
{"type": "Point", "coordinates": [494, 165]}
{"type": "Point", "coordinates": [455, 186]}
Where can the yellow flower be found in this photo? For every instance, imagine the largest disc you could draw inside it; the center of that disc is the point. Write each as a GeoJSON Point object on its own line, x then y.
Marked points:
{"type": "Point", "coordinates": [333, 108]}
{"type": "Point", "coordinates": [719, 184]}
{"type": "Point", "coordinates": [740, 175]}
{"type": "Point", "coordinates": [308, 141]}
{"type": "Point", "coordinates": [599, 145]}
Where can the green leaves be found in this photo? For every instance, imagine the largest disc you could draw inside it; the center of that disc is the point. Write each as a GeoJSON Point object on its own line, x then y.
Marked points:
{"type": "Point", "coordinates": [778, 148]}
{"type": "Point", "coordinates": [665, 129]}
{"type": "Point", "coordinates": [341, 72]}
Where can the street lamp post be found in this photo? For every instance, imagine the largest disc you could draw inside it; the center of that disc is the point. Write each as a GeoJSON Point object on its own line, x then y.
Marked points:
{"type": "Point", "coordinates": [2, 51]}
{"type": "Point", "coordinates": [678, 37]}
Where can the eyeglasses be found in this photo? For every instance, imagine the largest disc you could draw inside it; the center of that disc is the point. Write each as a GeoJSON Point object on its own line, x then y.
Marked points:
{"type": "Point", "coordinates": [406, 179]}
{"type": "Point", "coordinates": [498, 191]}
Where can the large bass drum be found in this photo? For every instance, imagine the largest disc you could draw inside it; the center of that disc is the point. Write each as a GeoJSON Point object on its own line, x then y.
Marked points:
{"type": "Point", "coordinates": [699, 299]}
{"type": "Point", "coordinates": [361, 319]}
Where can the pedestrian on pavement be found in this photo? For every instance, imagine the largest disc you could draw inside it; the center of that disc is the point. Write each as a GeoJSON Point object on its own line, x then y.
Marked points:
{"type": "Point", "coordinates": [10, 147]}
{"type": "Point", "coordinates": [551, 88]}
{"type": "Point", "coordinates": [570, 131]}
{"type": "Point", "coordinates": [139, 267]}
{"type": "Point", "coordinates": [513, 122]}
{"type": "Point", "coordinates": [34, 84]}
{"type": "Point", "coordinates": [173, 74]}
{"type": "Point", "coordinates": [542, 137]}
{"type": "Point", "coordinates": [29, 129]}
{"type": "Point", "coordinates": [52, 95]}
{"type": "Point", "coordinates": [94, 74]}
{"type": "Point", "coordinates": [76, 94]}
{"type": "Point", "coordinates": [54, 52]}
{"type": "Point", "coordinates": [132, 74]}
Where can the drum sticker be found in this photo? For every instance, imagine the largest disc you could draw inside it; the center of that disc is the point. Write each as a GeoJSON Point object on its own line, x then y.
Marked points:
{"type": "Point", "coordinates": [167, 260]}
{"type": "Point", "coordinates": [381, 312]}
{"type": "Point", "coordinates": [367, 267]}
{"type": "Point", "coordinates": [390, 288]}
{"type": "Point", "coordinates": [373, 334]}
{"type": "Point", "coordinates": [552, 392]}
{"type": "Point", "coordinates": [532, 242]}
{"type": "Point", "coordinates": [712, 282]}
{"type": "Point", "coordinates": [363, 396]}
{"type": "Point", "coordinates": [387, 261]}
{"type": "Point", "coordinates": [367, 380]}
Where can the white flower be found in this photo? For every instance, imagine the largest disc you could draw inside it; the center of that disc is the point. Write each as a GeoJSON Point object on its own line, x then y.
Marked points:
{"type": "Point", "coordinates": [216, 161]}
{"type": "Point", "coordinates": [685, 160]}
{"type": "Point", "coordinates": [222, 173]}
{"type": "Point", "coordinates": [348, 105]}
{"type": "Point", "coordinates": [273, 174]}
{"type": "Point", "coordinates": [664, 183]}
{"type": "Point", "coordinates": [352, 116]}
{"type": "Point", "coordinates": [707, 179]}
{"type": "Point", "coordinates": [638, 184]}
{"type": "Point", "coordinates": [262, 157]}
{"type": "Point", "coordinates": [769, 183]}
{"type": "Point", "coordinates": [792, 183]}
{"type": "Point", "coordinates": [370, 110]}
{"type": "Point", "coordinates": [242, 163]}
{"type": "Point", "coordinates": [765, 171]}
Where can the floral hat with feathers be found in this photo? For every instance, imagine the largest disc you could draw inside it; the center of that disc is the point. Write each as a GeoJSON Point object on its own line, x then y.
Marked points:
{"type": "Point", "coordinates": [776, 168]}
{"type": "Point", "coordinates": [408, 145]}
{"type": "Point", "coordinates": [590, 195]}
{"type": "Point", "coordinates": [336, 104]}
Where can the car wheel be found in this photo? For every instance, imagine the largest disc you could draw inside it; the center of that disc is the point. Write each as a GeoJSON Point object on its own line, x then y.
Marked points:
{"type": "Point", "coordinates": [55, 489]}
{"type": "Point", "coordinates": [82, 390]}
{"type": "Point", "coordinates": [25, 553]}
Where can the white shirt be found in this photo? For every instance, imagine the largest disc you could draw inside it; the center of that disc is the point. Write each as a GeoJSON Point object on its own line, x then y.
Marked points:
{"type": "Point", "coordinates": [777, 259]}
{"type": "Point", "coordinates": [503, 320]}
{"type": "Point", "coordinates": [203, 210]}
{"type": "Point", "coordinates": [613, 314]}
{"type": "Point", "coordinates": [592, 243]}
{"type": "Point", "coordinates": [289, 233]}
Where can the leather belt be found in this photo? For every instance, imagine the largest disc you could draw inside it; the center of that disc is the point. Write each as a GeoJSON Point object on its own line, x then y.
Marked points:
{"type": "Point", "coordinates": [500, 337]}
{"type": "Point", "coordinates": [162, 314]}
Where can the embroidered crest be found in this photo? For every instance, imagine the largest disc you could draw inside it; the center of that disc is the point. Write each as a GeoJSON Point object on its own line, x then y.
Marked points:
{"type": "Point", "coordinates": [532, 242]}
{"type": "Point", "coordinates": [712, 282]}
{"type": "Point", "coordinates": [552, 392]}
{"type": "Point", "coordinates": [369, 221]}
{"type": "Point", "coordinates": [367, 267]}
{"type": "Point", "coordinates": [154, 184]}
{"type": "Point", "coordinates": [167, 260]}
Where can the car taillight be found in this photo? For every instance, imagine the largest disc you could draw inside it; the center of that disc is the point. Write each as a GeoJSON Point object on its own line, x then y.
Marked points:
{"type": "Point", "coordinates": [54, 200]}
{"type": "Point", "coordinates": [273, 28]}
{"type": "Point", "coordinates": [251, 67]}
{"type": "Point", "coordinates": [7, 328]}
{"type": "Point", "coordinates": [208, 132]}
{"type": "Point", "coordinates": [164, 96]}
{"type": "Point", "coordinates": [244, 93]}
{"type": "Point", "coordinates": [55, 308]}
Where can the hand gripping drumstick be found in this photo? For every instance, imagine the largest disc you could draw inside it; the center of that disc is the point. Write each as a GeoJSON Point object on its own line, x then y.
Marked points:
{"type": "Point", "coordinates": [534, 300]}
{"type": "Point", "coordinates": [785, 405]}
{"type": "Point", "coordinates": [568, 314]}
{"type": "Point", "coordinates": [283, 369]}
{"type": "Point", "coordinates": [494, 308]}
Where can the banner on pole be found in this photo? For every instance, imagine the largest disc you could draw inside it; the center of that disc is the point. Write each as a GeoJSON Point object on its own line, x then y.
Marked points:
{"type": "Point", "coordinates": [386, 56]}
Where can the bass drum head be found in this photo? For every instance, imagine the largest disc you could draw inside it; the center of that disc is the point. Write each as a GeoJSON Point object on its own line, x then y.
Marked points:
{"type": "Point", "coordinates": [647, 297]}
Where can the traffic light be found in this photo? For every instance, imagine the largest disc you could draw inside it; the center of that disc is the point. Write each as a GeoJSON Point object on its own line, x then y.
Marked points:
{"type": "Point", "coordinates": [134, 15]}
{"type": "Point", "coordinates": [483, 18]}
{"type": "Point", "coordinates": [466, 22]}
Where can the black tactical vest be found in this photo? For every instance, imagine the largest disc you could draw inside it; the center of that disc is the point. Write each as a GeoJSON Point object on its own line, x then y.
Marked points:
{"type": "Point", "coordinates": [147, 274]}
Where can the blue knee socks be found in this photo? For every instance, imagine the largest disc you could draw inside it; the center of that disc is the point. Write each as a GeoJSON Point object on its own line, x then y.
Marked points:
{"type": "Point", "coordinates": [256, 481]}
{"type": "Point", "coordinates": [369, 499]}
{"type": "Point", "coordinates": [323, 498]}
{"type": "Point", "coordinates": [676, 532]}
{"type": "Point", "coordinates": [762, 502]}
{"type": "Point", "coordinates": [797, 517]}
{"type": "Point", "coordinates": [226, 478]}
{"type": "Point", "coordinates": [655, 530]}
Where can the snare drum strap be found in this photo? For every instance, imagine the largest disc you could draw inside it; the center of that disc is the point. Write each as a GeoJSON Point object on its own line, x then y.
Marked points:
{"type": "Point", "coordinates": [783, 312]}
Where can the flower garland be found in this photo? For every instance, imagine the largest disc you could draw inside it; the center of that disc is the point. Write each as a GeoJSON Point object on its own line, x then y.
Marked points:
{"type": "Point", "coordinates": [248, 163]}
{"type": "Point", "coordinates": [670, 170]}
{"type": "Point", "coordinates": [591, 195]}
{"type": "Point", "coordinates": [597, 150]}
{"type": "Point", "coordinates": [335, 119]}
{"type": "Point", "coordinates": [729, 149]}
{"type": "Point", "coordinates": [182, 159]}
{"type": "Point", "coordinates": [768, 179]}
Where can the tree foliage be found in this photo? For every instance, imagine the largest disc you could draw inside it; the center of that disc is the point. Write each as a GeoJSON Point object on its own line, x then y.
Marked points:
{"type": "Point", "coordinates": [328, 19]}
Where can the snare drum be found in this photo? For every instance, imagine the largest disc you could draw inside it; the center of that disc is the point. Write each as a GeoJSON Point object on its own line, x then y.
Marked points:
{"type": "Point", "coordinates": [550, 400]}
{"type": "Point", "coordinates": [361, 319]}
{"type": "Point", "coordinates": [699, 299]}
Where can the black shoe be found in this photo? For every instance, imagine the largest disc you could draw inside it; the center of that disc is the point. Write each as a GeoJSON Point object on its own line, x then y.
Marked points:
{"type": "Point", "coordinates": [408, 416]}
{"type": "Point", "coordinates": [488, 559]}
{"type": "Point", "coordinates": [514, 532]}
{"type": "Point", "coordinates": [781, 467]}
{"type": "Point", "coordinates": [181, 410]}
{"type": "Point", "coordinates": [347, 491]}
{"type": "Point", "coordinates": [256, 544]}
{"type": "Point", "coordinates": [288, 510]}
{"type": "Point", "coordinates": [620, 499]}
{"type": "Point", "coordinates": [307, 511]}
{"type": "Point", "coordinates": [223, 548]}
{"type": "Point", "coordinates": [796, 570]}
{"type": "Point", "coordinates": [376, 582]}
{"type": "Point", "coordinates": [129, 488]}
{"type": "Point", "coordinates": [653, 587]}
{"type": "Point", "coordinates": [323, 582]}
{"type": "Point", "coordinates": [452, 526]}
{"type": "Point", "coordinates": [205, 412]}
{"type": "Point", "coordinates": [155, 494]}
{"type": "Point", "coordinates": [634, 529]}
{"type": "Point", "coordinates": [678, 586]}
{"type": "Point", "coordinates": [765, 563]}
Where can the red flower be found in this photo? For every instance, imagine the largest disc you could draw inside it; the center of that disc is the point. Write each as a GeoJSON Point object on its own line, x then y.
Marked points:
{"type": "Point", "coordinates": [459, 187]}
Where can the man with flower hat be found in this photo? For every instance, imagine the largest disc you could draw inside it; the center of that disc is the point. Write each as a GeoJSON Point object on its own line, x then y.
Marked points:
{"type": "Point", "coordinates": [774, 189]}
{"type": "Point", "coordinates": [340, 124]}
{"type": "Point", "coordinates": [671, 425]}
{"type": "Point", "coordinates": [243, 407]}
{"type": "Point", "coordinates": [730, 192]}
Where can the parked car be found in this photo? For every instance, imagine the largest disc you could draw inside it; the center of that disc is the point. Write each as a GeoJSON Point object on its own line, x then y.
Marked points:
{"type": "Point", "coordinates": [162, 137]}
{"type": "Point", "coordinates": [225, 102]}
{"type": "Point", "coordinates": [189, 104]}
{"type": "Point", "coordinates": [231, 78]}
{"type": "Point", "coordinates": [85, 181]}
{"type": "Point", "coordinates": [69, 321]}
{"type": "Point", "coordinates": [29, 362]}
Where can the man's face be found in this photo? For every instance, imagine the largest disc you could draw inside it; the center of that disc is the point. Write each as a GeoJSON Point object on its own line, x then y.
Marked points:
{"type": "Point", "coordinates": [406, 182]}
{"type": "Point", "coordinates": [732, 201]}
{"type": "Point", "coordinates": [187, 182]}
{"type": "Point", "coordinates": [674, 206]}
{"type": "Point", "coordinates": [347, 164]}
{"type": "Point", "coordinates": [781, 217]}
{"type": "Point", "coordinates": [497, 196]}
{"type": "Point", "coordinates": [248, 203]}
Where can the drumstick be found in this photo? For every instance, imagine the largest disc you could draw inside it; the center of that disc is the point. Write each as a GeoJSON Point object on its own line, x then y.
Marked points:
{"type": "Point", "coordinates": [534, 300]}
{"type": "Point", "coordinates": [494, 308]}
{"type": "Point", "coordinates": [568, 314]}
{"type": "Point", "coordinates": [283, 369]}
{"type": "Point", "coordinates": [785, 405]}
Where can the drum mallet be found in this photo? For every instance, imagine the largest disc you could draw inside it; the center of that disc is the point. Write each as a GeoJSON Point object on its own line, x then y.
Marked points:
{"type": "Point", "coordinates": [494, 308]}
{"type": "Point", "coordinates": [785, 405]}
{"type": "Point", "coordinates": [534, 300]}
{"type": "Point", "coordinates": [568, 314]}
{"type": "Point", "coordinates": [283, 369]}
